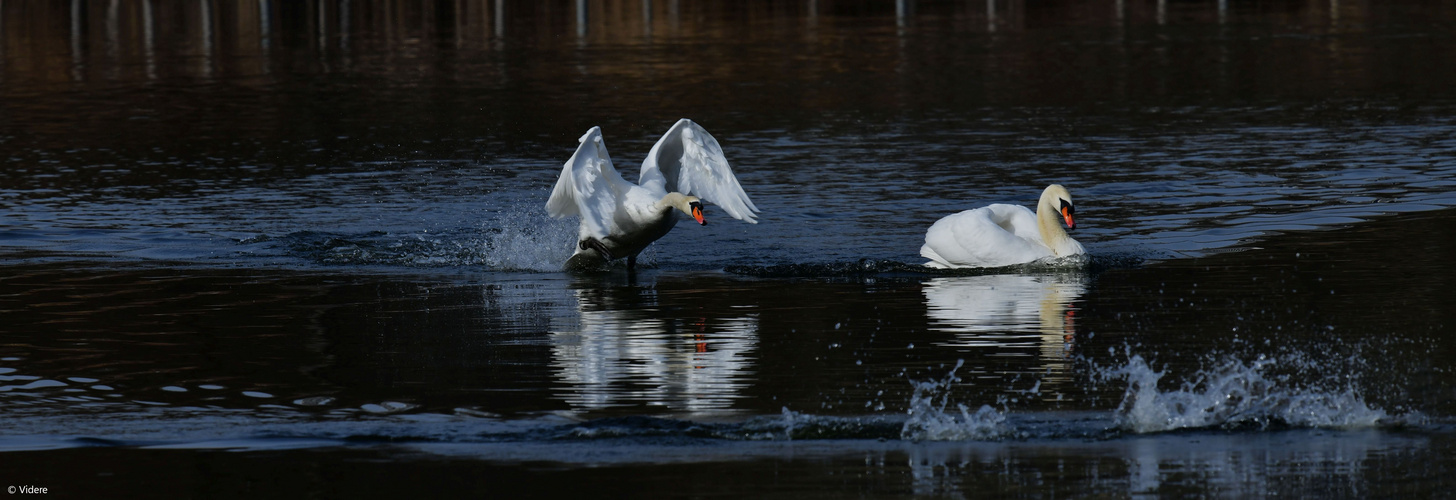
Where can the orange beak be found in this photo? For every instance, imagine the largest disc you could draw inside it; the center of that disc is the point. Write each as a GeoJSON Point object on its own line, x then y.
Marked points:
{"type": "Point", "coordinates": [1067, 216]}
{"type": "Point", "coordinates": [698, 214]}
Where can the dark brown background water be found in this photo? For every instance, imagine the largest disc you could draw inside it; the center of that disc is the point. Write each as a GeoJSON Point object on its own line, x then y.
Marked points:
{"type": "Point", "coordinates": [263, 248]}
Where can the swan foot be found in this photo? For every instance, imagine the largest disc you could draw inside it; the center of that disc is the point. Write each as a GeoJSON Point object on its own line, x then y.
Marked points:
{"type": "Point", "coordinates": [595, 244]}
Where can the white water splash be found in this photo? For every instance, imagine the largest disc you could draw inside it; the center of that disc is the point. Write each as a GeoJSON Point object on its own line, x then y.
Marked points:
{"type": "Point", "coordinates": [530, 240]}
{"type": "Point", "coordinates": [1233, 393]}
{"type": "Point", "coordinates": [789, 417]}
{"type": "Point", "coordinates": [929, 420]}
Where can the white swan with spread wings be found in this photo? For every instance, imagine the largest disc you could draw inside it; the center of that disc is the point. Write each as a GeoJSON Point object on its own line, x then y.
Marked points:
{"type": "Point", "coordinates": [618, 218]}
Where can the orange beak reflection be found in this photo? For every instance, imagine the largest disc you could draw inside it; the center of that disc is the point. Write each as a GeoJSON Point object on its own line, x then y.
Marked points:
{"type": "Point", "coordinates": [698, 214]}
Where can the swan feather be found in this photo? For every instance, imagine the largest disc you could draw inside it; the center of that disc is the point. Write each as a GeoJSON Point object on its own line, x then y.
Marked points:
{"type": "Point", "coordinates": [1003, 235]}
{"type": "Point", "coordinates": [687, 159]}
{"type": "Point", "coordinates": [589, 186]}
{"type": "Point", "coordinates": [619, 218]}
{"type": "Point", "coordinates": [991, 236]}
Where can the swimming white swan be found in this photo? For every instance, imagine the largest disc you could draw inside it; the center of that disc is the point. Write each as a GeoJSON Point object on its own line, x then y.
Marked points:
{"type": "Point", "coordinates": [618, 218]}
{"type": "Point", "coordinates": [1003, 235]}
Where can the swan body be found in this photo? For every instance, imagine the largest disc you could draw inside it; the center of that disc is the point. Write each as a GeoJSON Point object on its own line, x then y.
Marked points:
{"type": "Point", "coordinates": [1004, 235]}
{"type": "Point", "coordinates": [618, 218]}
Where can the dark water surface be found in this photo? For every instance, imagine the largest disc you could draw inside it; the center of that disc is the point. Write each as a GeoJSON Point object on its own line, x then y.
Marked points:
{"type": "Point", "coordinates": [251, 249]}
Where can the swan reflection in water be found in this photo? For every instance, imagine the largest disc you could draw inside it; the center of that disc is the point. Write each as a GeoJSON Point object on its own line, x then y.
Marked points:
{"type": "Point", "coordinates": [1012, 313]}
{"type": "Point", "coordinates": [653, 346]}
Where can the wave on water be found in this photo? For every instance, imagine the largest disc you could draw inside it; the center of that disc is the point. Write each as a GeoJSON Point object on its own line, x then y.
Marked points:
{"type": "Point", "coordinates": [1232, 393]}
{"type": "Point", "coordinates": [883, 268]}
{"type": "Point", "coordinates": [1228, 393]}
{"type": "Point", "coordinates": [857, 269]}
{"type": "Point", "coordinates": [524, 241]}
{"type": "Point", "coordinates": [545, 245]}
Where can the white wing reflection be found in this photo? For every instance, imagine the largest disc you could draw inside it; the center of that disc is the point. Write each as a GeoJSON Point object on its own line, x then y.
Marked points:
{"type": "Point", "coordinates": [627, 353]}
{"type": "Point", "coordinates": [1010, 312]}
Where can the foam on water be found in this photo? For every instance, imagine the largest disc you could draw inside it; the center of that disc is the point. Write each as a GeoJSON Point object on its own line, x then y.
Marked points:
{"type": "Point", "coordinates": [1232, 393]}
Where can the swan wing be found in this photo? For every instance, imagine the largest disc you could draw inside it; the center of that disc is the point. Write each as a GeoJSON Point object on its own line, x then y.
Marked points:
{"type": "Point", "coordinates": [992, 236]}
{"type": "Point", "coordinates": [689, 160]}
{"type": "Point", "coordinates": [589, 186]}
{"type": "Point", "coordinates": [1017, 220]}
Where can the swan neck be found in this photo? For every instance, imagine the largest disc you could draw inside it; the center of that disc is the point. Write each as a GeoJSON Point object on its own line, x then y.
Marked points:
{"type": "Point", "coordinates": [1050, 226]}
{"type": "Point", "coordinates": [675, 200]}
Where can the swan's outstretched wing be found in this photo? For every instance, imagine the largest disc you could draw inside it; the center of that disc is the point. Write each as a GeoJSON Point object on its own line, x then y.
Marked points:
{"type": "Point", "coordinates": [688, 160]}
{"type": "Point", "coordinates": [589, 186]}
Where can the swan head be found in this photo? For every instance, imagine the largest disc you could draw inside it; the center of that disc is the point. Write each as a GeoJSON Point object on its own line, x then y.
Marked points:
{"type": "Point", "coordinates": [696, 210]}
{"type": "Point", "coordinates": [1056, 198]}
{"type": "Point", "coordinates": [691, 205]}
